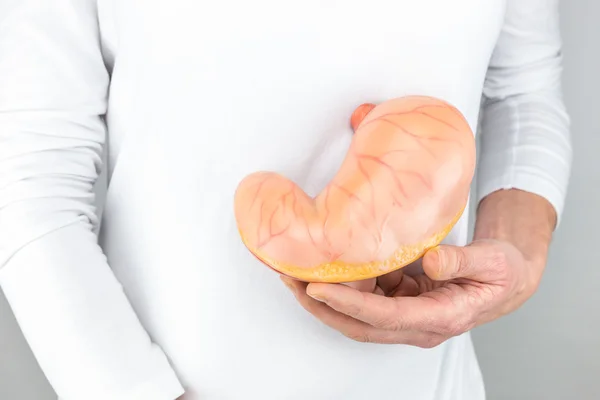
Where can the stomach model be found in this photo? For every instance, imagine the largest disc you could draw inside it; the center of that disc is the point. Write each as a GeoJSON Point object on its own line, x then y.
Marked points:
{"type": "Point", "coordinates": [399, 191]}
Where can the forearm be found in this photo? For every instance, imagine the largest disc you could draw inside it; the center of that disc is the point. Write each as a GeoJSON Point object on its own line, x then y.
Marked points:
{"type": "Point", "coordinates": [70, 306]}
{"type": "Point", "coordinates": [521, 218]}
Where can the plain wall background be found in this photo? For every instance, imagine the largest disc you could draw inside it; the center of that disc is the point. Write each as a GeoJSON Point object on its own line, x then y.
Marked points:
{"type": "Point", "coordinates": [550, 348]}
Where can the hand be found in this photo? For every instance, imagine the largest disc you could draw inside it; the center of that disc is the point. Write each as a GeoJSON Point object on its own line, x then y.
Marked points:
{"type": "Point", "coordinates": [463, 287]}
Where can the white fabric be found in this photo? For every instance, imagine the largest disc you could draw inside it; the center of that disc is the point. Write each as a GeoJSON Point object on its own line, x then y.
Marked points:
{"type": "Point", "coordinates": [526, 142]}
{"type": "Point", "coordinates": [195, 95]}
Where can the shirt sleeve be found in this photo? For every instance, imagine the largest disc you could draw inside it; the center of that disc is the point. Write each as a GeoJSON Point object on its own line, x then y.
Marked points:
{"type": "Point", "coordinates": [69, 305]}
{"type": "Point", "coordinates": [525, 129]}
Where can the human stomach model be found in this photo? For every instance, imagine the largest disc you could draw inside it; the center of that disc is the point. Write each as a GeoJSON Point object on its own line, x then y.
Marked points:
{"type": "Point", "coordinates": [399, 191]}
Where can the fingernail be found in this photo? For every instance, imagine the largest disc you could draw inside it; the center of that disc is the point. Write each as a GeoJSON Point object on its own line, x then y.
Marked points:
{"type": "Point", "coordinates": [317, 297]}
{"type": "Point", "coordinates": [437, 259]}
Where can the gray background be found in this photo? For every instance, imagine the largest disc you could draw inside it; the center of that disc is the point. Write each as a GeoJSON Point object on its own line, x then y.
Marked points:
{"type": "Point", "coordinates": [550, 348]}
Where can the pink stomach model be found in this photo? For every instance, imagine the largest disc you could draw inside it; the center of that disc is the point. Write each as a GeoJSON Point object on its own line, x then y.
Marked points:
{"type": "Point", "coordinates": [401, 188]}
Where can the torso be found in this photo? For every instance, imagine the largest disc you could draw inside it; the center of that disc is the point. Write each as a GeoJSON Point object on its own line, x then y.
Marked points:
{"type": "Point", "coordinates": [204, 93]}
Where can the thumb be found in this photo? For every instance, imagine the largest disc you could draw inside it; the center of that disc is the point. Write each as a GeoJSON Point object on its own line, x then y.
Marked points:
{"type": "Point", "coordinates": [474, 261]}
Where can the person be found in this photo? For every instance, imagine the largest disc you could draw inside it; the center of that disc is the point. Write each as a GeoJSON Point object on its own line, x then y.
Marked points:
{"type": "Point", "coordinates": [188, 98]}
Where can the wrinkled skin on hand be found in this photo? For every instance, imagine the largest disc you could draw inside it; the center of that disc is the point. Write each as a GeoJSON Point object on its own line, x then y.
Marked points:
{"type": "Point", "coordinates": [401, 188]}
{"type": "Point", "coordinates": [461, 288]}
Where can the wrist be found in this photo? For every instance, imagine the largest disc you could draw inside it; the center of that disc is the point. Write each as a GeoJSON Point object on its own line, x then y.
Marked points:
{"type": "Point", "coordinates": [520, 218]}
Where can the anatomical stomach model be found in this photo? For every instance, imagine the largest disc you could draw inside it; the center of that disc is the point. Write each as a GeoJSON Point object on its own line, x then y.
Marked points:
{"type": "Point", "coordinates": [401, 188]}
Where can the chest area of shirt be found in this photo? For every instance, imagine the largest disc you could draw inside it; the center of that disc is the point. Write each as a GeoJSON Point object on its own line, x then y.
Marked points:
{"type": "Point", "coordinates": [230, 35]}
{"type": "Point", "coordinates": [245, 69]}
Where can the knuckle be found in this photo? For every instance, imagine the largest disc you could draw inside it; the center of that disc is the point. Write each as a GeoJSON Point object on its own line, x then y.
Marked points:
{"type": "Point", "coordinates": [460, 260]}
{"type": "Point", "coordinates": [477, 298]}
{"type": "Point", "coordinates": [392, 320]}
{"type": "Point", "coordinates": [487, 294]}
{"type": "Point", "coordinates": [390, 324]}
{"type": "Point", "coordinates": [454, 259]}
{"type": "Point", "coordinates": [352, 310]}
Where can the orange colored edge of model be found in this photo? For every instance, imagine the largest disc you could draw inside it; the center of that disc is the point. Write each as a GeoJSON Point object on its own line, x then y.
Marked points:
{"type": "Point", "coordinates": [340, 272]}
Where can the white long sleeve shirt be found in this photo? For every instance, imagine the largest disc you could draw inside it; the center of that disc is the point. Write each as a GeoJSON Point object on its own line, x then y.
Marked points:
{"type": "Point", "coordinates": [190, 96]}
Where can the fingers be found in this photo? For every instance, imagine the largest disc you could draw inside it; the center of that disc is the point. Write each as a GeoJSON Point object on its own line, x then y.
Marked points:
{"type": "Point", "coordinates": [368, 285]}
{"type": "Point", "coordinates": [483, 261]}
{"type": "Point", "coordinates": [461, 284]}
{"type": "Point", "coordinates": [390, 281]}
{"type": "Point", "coordinates": [355, 329]}
{"type": "Point", "coordinates": [348, 326]}
{"type": "Point", "coordinates": [388, 313]}
{"type": "Point", "coordinates": [415, 285]}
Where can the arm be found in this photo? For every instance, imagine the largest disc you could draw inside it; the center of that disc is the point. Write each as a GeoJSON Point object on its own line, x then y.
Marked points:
{"type": "Point", "coordinates": [523, 219]}
{"type": "Point", "coordinates": [525, 138]}
{"type": "Point", "coordinates": [72, 311]}
{"type": "Point", "coordinates": [524, 171]}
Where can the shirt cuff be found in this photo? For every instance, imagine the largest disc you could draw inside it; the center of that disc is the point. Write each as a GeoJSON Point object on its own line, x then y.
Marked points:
{"type": "Point", "coordinates": [527, 182]}
{"type": "Point", "coordinates": [525, 145]}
